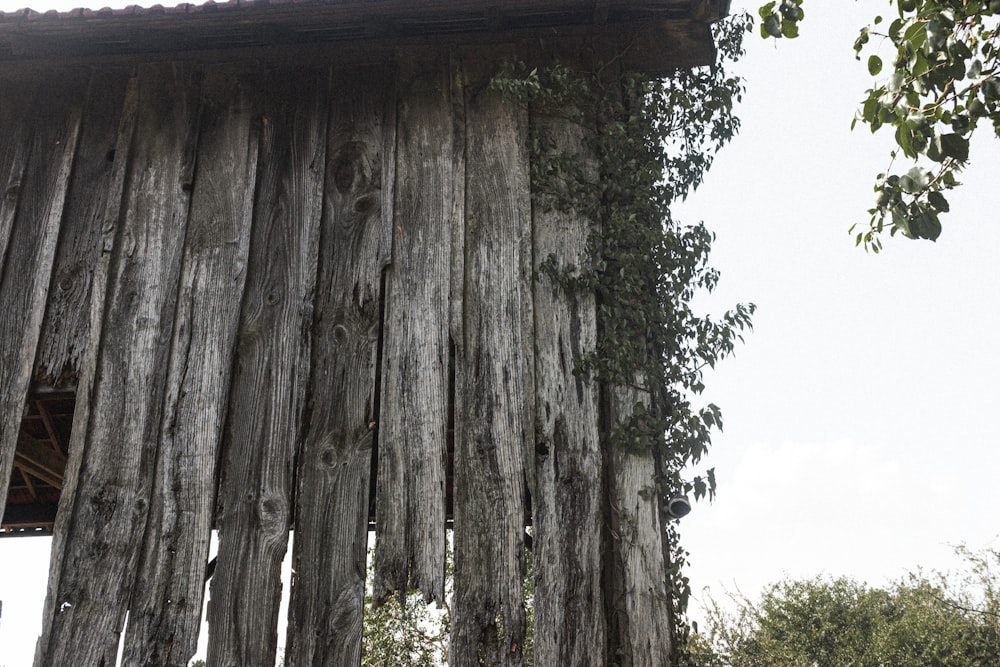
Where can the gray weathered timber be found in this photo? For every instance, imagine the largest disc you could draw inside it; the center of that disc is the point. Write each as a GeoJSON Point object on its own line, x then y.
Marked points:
{"type": "Point", "coordinates": [64, 332]}
{"type": "Point", "coordinates": [112, 495]}
{"type": "Point", "coordinates": [457, 207]}
{"type": "Point", "coordinates": [492, 390]}
{"type": "Point", "coordinates": [266, 397]}
{"type": "Point", "coordinates": [640, 601]}
{"type": "Point", "coordinates": [15, 145]}
{"type": "Point", "coordinates": [331, 520]}
{"type": "Point", "coordinates": [24, 277]}
{"type": "Point", "coordinates": [165, 610]}
{"type": "Point", "coordinates": [413, 411]}
{"type": "Point", "coordinates": [566, 500]}
{"type": "Point", "coordinates": [89, 362]}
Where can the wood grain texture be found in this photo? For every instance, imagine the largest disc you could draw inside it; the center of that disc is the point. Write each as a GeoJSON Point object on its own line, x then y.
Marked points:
{"type": "Point", "coordinates": [113, 493]}
{"type": "Point", "coordinates": [30, 252]}
{"type": "Point", "coordinates": [455, 325]}
{"type": "Point", "coordinates": [65, 328]}
{"type": "Point", "coordinates": [266, 398]}
{"type": "Point", "coordinates": [413, 414]}
{"type": "Point", "coordinates": [566, 500]}
{"type": "Point", "coordinates": [165, 610]}
{"type": "Point", "coordinates": [640, 626]}
{"type": "Point", "coordinates": [63, 528]}
{"type": "Point", "coordinates": [15, 146]}
{"type": "Point", "coordinates": [331, 521]}
{"type": "Point", "coordinates": [494, 397]}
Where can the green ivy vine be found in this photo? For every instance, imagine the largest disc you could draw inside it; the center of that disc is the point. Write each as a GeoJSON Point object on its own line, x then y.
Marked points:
{"type": "Point", "coordinates": [652, 139]}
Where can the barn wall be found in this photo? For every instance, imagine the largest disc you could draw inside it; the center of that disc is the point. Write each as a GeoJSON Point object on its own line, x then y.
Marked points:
{"type": "Point", "coordinates": [259, 277]}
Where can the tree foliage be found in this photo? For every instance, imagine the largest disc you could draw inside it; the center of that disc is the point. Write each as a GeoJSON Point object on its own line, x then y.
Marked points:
{"type": "Point", "coordinates": [652, 141]}
{"type": "Point", "coordinates": [406, 632]}
{"type": "Point", "coordinates": [941, 85]}
{"type": "Point", "coordinates": [921, 620]}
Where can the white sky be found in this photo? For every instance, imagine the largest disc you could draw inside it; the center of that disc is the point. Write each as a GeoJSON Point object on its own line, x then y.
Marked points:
{"type": "Point", "coordinates": [860, 417]}
{"type": "Point", "coordinates": [860, 436]}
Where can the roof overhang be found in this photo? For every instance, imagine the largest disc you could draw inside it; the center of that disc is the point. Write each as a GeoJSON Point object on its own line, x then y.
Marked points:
{"type": "Point", "coordinates": [661, 33]}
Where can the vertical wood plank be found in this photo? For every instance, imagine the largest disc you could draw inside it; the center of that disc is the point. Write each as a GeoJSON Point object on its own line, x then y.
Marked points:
{"type": "Point", "coordinates": [457, 203]}
{"type": "Point", "coordinates": [413, 414]}
{"type": "Point", "coordinates": [89, 362]}
{"type": "Point", "coordinates": [268, 383]}
{"type": "Point", "coordinates": [639, 631]}
{"type": "Point", "coordinates": [24, 279]}
{"type": "Point", "coordinates": [65, 327]}
{"type": "Point", "coordinates": [566, 503]}
{"type": "Point", "coordinates": [493, 421]}
{"type": "Point", "coordinates": [331, 525]}
{"type": "Point", "coordinates": [102, 544]}
{"type": "Point", "coordinates": [165, 611]}
{"type": "Point", "coordinates": [15, 145]}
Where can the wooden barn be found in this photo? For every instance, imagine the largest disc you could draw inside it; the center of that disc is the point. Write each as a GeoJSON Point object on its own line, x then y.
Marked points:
{"type": "Point", "coordinates": [270, 266]}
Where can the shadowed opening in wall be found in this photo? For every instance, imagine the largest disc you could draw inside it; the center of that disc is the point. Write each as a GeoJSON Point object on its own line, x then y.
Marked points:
{"type": "Point", "coordinates": [39, 463]}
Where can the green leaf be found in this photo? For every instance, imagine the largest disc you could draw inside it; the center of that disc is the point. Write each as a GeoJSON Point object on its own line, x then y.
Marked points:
{"type": "Point", "coordinates": [945, 146]}
{"type": "Point", "coordinates": [991, 89]}
{"type": "Point", "coordinates": [938, 201]}
{"type": "Point", "coordinates": [874, 65]}
{"type": "Point", "coordinates": [771, 27]}
{"type": "Point", "coordinates": [914, 180]}
{"type": "Point", "coordinates": [937, 34]}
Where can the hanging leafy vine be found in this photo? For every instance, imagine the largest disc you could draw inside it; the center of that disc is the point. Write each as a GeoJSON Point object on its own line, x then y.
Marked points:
{"type": "Point", "coordinates": [653, 140]}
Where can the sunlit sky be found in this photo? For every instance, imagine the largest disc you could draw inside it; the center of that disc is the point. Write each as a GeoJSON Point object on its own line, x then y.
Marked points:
{"type": "Point", "coordinates": [860, 415]}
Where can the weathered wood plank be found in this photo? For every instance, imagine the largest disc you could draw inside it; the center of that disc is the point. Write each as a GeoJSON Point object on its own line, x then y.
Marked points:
{"type": "Point", "coordinates": [413, 411]}
{"type": "Point", "coordinates": [25, 275]}
{"type": "Point", "coordinates": [640, 627]}
{"type": "Point", "coordinates": [493, 421]}
{"type": "Point", "coordinates": [566, 500]}
{"type": "Point", "coordinates": [64, 331]}
{"type": "Point", "coordinates": [165, 611]}
{"type": "Point", "coordinates": [269, 378]}
{"type": "Point", "coordinates": [327, 598]}
{"type": "Point", "coordinates": [15, 144]}
{"type": "Point", "coordinates": [109, 509]}
{"type": "Point", "coordinates": [89, 364]}
{"type": "Point", "coordinates": [457, 204]}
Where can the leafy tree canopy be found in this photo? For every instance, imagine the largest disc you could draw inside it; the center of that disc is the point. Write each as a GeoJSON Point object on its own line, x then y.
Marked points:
{"type": "Point", "coordinates": [922, 620]}
{"type": "Point", "coordinates": [941, 85]}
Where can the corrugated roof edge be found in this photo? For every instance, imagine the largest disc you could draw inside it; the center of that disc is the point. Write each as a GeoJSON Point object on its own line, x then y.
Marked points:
{"type": "Point", "coordinates": [675, 32]}
{"type": "Point", "coordinates": [28, 14]}
{"type": "Point", "coordinates": [715, 9]}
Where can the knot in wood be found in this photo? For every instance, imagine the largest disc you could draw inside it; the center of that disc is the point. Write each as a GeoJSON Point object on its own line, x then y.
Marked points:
{"type": "Point", "coordinates": [273, 513]}
{"type": "Point", "coordinates": [365, 204]}
{"type": "Point", "coordinates": [348, 167]}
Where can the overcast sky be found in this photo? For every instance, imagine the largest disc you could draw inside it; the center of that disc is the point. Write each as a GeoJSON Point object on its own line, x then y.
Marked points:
{"type": "Point", "coordinates": [860, 416]}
